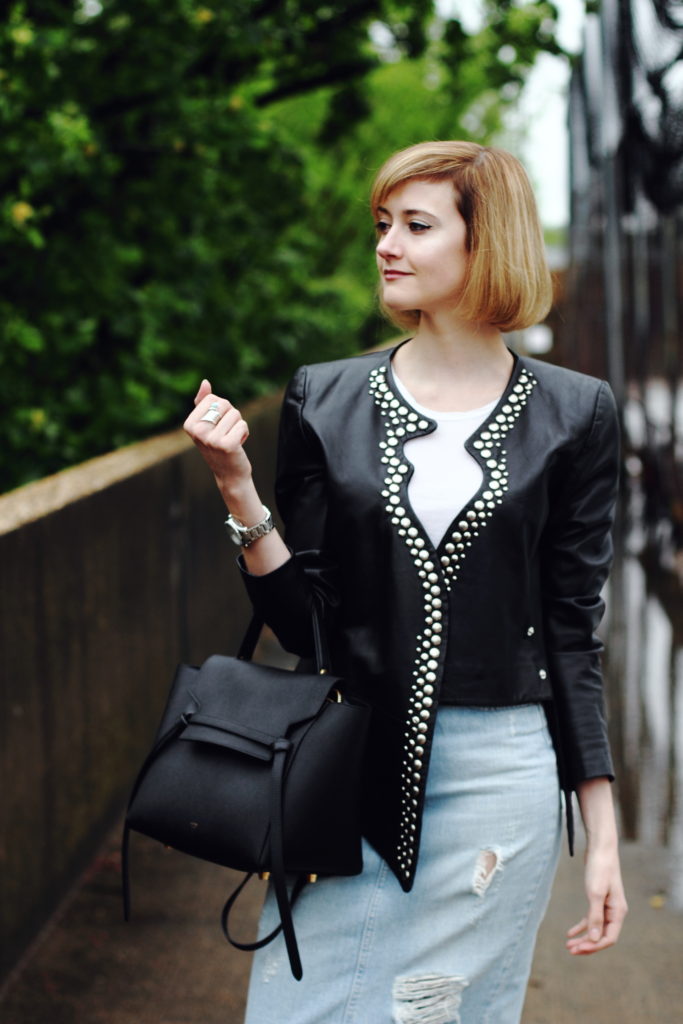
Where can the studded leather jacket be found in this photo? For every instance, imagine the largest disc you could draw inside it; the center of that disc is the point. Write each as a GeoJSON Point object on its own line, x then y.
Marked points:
{"type": "Point", "coordinates": [503, 610]}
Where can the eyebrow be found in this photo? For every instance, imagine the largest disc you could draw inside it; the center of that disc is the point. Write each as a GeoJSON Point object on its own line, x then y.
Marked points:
{"type": "Point", "coordinates": [409, 213]}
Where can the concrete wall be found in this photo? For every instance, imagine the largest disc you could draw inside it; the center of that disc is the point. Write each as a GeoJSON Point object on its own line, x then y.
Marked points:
{"type": "Point", "coordinates": [111, 572]}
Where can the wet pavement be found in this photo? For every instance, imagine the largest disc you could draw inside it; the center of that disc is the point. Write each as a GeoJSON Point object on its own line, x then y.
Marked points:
{"type": "Point", "coordinates": [171, 965]}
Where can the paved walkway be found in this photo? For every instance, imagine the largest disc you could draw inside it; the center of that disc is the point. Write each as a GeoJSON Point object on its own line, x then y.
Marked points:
{"type": "Point", "coordinates": [171, 965]}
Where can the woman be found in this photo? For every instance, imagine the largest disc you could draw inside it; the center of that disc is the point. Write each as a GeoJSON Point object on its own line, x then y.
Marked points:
{"type": "Point", "coordinates": [450, 502]}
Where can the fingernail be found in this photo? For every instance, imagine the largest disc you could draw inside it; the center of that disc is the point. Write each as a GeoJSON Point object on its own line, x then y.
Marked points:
{"type": "Point", "coordinates": [594, 934]}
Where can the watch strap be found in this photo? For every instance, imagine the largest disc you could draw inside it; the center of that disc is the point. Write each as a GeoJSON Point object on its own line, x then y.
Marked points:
{"type": "Point", "coordinates": [246, 535]}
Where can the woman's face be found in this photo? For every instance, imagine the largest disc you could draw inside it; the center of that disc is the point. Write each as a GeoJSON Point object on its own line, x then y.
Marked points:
{"type": "Point", "coordinates": [421, 249]}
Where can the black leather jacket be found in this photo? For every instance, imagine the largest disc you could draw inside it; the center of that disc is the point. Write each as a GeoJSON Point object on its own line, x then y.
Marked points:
{"type": "Point", "coordinates": [505, 608]}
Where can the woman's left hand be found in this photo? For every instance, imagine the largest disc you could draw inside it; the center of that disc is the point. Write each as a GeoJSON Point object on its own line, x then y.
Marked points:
{"type": "Point", "coordinates": [607, 905]}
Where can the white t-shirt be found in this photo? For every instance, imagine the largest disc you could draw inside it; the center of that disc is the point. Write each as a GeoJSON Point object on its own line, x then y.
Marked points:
{"type": "Point", "coordinates": [446, 476]}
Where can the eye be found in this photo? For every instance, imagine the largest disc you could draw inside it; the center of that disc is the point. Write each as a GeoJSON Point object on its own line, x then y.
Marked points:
{"type": "Point", "coordinates": [416, 226]}
{"type": "Point", "coordinates": [381, 227]}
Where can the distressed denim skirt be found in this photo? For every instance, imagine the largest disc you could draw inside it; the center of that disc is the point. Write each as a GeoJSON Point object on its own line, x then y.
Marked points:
{"type": "Point", "coordinates": [457, 949]}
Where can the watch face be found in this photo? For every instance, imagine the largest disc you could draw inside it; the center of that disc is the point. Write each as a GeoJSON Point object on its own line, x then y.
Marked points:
{"type": "Point", "coordinates": [233, 531]}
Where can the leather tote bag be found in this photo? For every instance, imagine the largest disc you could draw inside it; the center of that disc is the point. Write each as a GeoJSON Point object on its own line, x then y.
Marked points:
{"type": "Point", "coordinates": [258, 769]}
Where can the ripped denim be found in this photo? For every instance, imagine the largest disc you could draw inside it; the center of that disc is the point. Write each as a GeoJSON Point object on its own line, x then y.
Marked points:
{"type": "Point", "coordinates": [457, 949]}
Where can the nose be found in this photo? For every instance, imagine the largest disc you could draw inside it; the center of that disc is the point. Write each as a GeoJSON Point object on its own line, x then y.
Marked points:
{"type": "Point", "coordinates": [388, 246]}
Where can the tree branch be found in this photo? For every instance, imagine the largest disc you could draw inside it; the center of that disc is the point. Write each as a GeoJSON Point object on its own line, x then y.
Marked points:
{"type": "Point", "coordinates": [331, 76]}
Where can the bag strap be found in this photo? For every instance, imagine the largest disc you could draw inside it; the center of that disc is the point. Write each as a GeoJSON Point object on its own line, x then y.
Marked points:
{"type": "Point", "coordinates": [253, 632]}
{"type": "Point", "coordinates": [297, 889]}
{"type": "Point", "coordinates": [125, 839]}
{"type": "Point", "coordinates": [281, 749]}
{"type": "Point", "coordinates": [277, 859]}
{"type": "Point", "coordinates": [277, 853]}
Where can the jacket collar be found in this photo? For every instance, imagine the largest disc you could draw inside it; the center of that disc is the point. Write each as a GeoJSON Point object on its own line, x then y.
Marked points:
{"type": "Point", "coordinates": [485, 445]}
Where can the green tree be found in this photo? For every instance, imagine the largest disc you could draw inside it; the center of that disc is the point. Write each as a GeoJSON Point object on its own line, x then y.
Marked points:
{"type": "Point", "coordinates": [161, 211]}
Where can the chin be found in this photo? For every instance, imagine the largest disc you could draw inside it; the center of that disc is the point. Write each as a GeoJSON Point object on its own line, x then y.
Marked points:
{"type": "Point", "coordinates": [393, 302]}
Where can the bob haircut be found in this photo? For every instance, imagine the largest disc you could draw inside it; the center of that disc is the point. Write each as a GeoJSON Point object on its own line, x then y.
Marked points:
{"type": "Point", "coordinates": [507, 283]}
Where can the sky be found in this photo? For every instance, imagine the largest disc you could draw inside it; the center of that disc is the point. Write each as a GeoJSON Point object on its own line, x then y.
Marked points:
{"type": "Point", "coordinates": [542, 109]}
{"type": "Point", "coordinates": [543, 106]}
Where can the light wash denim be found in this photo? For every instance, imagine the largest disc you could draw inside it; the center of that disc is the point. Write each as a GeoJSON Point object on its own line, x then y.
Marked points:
{"type": "Point", "coordinates": [457, 949]}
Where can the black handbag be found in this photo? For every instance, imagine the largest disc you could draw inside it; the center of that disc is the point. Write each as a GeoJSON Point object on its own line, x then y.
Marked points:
{"type": "Point", "coordinates": [258, 769]}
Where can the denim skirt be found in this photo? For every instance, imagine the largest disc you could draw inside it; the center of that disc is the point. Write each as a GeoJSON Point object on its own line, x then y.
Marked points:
{"type": "Point", "coordinates": [457, 949]}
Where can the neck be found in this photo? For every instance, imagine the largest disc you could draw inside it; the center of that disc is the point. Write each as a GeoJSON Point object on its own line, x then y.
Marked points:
{"type": "Point", "coordinates": [455, 365]}
{"type": "Point", "coordinates": [457, 346]}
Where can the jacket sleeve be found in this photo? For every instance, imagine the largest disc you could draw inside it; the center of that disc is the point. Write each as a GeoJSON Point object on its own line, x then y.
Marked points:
{"type": "Point", "coordinates": [284, 597]}
{"type": "Point", "coordinates": [576, 556]}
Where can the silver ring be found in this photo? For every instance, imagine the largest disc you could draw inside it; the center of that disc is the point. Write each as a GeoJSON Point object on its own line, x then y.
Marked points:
{"type": "Point", "coordinates": [213, 415]}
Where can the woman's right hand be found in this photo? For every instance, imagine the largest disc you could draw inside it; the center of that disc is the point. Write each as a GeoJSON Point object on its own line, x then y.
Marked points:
{"type": "Point", "coordinates": [221, 447]}
{"type": "Point", "coordinates": [220, 444]}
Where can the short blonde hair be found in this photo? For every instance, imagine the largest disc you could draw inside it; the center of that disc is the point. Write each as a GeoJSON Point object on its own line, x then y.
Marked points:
{"type": "Point", "coordinates": [507, 284]}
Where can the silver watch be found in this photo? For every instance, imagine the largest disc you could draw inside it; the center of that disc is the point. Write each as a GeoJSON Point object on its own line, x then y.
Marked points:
{"type": "Point", "coordinates": [245, 535]}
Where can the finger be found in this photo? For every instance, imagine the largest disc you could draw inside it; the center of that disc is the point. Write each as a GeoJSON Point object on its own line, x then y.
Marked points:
{"type": "Point", "coordinates": [204, 389]}
{"type": "Point", "coordinates": [216, 432]}
{"type": "Point", "coordinates": [580, 927]}
{"type": "Point", "coordinates": [196, 425]}
{"type": "Point", "coordinates": [583, 944]}
{"type": "Point", "coordinates": [584, 947]}
{"type": "Point", "coordinates": [230, 432]}
{"type": "Point", "coordinates": [596, 914]}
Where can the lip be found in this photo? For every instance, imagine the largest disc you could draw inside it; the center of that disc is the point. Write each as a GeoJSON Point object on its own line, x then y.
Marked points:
{"type": "Point", "coordinates": [392, 275]}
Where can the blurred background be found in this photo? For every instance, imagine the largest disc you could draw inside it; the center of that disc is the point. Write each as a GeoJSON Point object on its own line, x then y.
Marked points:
{"type": "Point", "coordinates": [184, 194]}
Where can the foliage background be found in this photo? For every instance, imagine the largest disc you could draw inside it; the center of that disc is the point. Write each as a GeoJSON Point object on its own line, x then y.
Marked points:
{"type": "Point", "coordinates": [184, 193]}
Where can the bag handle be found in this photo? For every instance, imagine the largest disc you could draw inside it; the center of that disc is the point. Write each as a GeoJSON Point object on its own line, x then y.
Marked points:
{"type": "Point", "coordinates": [253, 632]}
{"type": "Point", "coordinates": [277, 864]}
{"type": "Point", "coordinates": [232, 900]}
{"type": "Point", "coordinates": [276, 839]}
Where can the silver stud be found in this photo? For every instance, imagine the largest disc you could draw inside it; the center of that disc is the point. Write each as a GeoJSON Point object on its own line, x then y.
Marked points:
{"type": "Point", "coordinates": [542, 673]}
{"type": "Point", "coordinates": [530, 631]}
